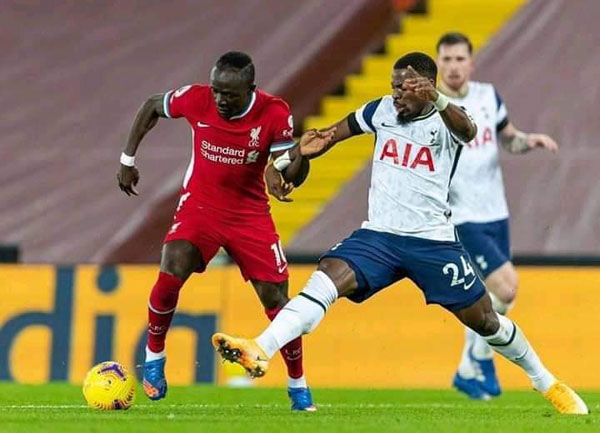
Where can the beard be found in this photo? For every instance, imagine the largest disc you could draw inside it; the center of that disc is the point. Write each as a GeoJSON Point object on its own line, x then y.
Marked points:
{"type": "Point", "coordinates": [403, 119]}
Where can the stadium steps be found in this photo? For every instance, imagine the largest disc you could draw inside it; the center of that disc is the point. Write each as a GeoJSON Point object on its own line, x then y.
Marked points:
{"type": "Point", "coordinates": [419, 33]}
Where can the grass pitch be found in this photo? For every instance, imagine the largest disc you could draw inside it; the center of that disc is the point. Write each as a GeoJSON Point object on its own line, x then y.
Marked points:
{"type": "Point", "coordinates": [61, 408]}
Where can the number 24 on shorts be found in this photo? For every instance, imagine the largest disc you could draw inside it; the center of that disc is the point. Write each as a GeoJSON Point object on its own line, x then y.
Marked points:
{"type": "Point", "coordinates": [453, 268]}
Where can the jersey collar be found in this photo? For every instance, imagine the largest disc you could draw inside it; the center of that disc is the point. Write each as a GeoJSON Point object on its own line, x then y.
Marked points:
{"type": "Point", "coordinates": [248, 108]}
{"type": "Point", "coordinates": [425, 116]}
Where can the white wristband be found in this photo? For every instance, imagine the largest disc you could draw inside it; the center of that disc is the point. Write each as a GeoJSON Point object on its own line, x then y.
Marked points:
{"type": "Point", "coordinates": [441, 102]}
{"type": "Point", "coordinates": [127, 160]}
{"type": "Point", "coordinates": [282, 162]}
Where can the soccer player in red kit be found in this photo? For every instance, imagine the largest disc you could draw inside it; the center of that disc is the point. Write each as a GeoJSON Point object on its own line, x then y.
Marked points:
{"type": "Point", "coordinates": [236, 128]}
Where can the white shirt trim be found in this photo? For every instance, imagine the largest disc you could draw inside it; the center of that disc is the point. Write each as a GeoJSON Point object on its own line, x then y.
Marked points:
{"type": "Point", "coordinates": [276, 147]}
{"type": "Point", "coordinates": [247, 110]}
{"type": "Point", "coordinates": [360, 118]}
{"type": "Point", "coordinates": [166, 103]}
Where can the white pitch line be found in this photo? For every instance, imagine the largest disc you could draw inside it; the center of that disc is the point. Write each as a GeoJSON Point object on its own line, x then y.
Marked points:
{"type": "Point", "coordinates": [275, 406]}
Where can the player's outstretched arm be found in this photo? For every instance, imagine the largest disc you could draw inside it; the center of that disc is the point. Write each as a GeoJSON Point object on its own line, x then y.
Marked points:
{"type": "Point", "coordinates": [293, 164]}
{"type": "Point", "coordinates": [290, 168]}
{"type": "Point", "coordinates": [459, 122]}
{"type": "Point", "coordinates": [454, 117]}
{"type": "Point", "coordinates": [145, 119]}
{"type": "Point", "coordinates": [516, 141]}
{"type": "Point", "coordinates": [341, 131]}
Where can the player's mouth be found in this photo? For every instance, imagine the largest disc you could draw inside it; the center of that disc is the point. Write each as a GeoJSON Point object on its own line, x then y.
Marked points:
{"type": "Point", "coordinates": [224, 111]}
{"type": "Point", "coordinates": [400, 108]}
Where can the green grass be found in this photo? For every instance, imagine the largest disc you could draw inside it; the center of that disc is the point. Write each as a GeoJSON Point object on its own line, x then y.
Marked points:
{"type": "Point", "coordinates": [61, 408]}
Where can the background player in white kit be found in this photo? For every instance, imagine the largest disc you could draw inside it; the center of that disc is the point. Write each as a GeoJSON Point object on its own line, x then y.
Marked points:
{"type": "Point", "coordinates": [408, 233]}
{"type": "Point", "coordinates": [478, 203]}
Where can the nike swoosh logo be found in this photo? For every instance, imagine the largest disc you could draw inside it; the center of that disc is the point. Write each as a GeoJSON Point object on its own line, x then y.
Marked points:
{"type": "Point", "coordinates": [202, 125]}
{"type": "Point", "coordinates": [468, 286]}
{"type": "Point", "coordinates": [281, 269]}
{"type": "Point", "coordinates": [388, 126]}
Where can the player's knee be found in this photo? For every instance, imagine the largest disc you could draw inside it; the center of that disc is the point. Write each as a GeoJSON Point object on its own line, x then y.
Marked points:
{"type": "Point", "coordinates": [341, 274]}
{"type": "Point", "coordinates": [509, 287]}
{"type": "Point", "coordinates": [485, 324]}
{"type": "Point", "coordinates": [179, 260]}
{"type": "Point", "coordinates": [272, 295]}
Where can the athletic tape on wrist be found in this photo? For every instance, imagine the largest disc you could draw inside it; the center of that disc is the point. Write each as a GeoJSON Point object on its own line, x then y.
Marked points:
{"type": "Point", "coordinates": [127, 160]}
{"type": "Point", "coordinates": [441, 102]}
{"type": "Point", "coordinates": [282, 162]}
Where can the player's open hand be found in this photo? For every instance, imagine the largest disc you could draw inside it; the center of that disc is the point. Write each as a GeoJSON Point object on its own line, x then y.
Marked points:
{"type": "Point", "coordinates": [313, 141]}
{"type": "Point", "coordinates": [276, 186]}
{"type": "Point", "coordinates": [542, 140]}
{"type": "Point", "coordinates": [128, 178]}
{"type": "Point", "coordinates": [421, 86]}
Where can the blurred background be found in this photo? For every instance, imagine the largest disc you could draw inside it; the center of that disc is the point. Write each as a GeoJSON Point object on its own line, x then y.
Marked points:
{"type": "Point", "coordinates": [80, 257]}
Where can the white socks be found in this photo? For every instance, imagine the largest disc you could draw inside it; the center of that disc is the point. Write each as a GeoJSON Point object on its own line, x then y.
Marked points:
{"type": "Point", "coordinates": [301, 315]}
{"type": "Point", "coordinates": [511, 343]}
{"type": "Point", "coordinates": [297, 383]}
{"type": "Point", "coordinates": [153, 356]}
{"type": "Point", "coordinates": [465, 367]}
{"type": "Point", "coordinates": [476, 344]}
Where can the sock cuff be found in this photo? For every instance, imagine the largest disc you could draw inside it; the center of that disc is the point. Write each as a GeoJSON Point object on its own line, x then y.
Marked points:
{"type": "Point", "coordinates": [321, 289]}
{"type": "Point", "coordinates": [505, 335]}
{"type": "Point", "coordinates": [164, 278]}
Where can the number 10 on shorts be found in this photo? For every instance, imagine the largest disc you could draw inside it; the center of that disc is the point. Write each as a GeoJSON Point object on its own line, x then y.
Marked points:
{"type": "Point", "coordinates": [280, 259]}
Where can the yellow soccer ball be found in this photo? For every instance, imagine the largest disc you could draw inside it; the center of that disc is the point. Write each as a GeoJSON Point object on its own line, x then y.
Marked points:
{"type": "Point", "coordinates": [109, 386]}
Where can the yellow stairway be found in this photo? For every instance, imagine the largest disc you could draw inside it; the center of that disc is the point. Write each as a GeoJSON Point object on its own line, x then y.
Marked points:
{"type": "Point", "coordinates": [478, 19]}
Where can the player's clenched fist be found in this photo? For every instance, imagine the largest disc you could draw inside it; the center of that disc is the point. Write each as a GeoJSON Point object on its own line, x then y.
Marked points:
{"type": "Point", "coordinates": [419, 85]}
{"type": "Point", "coordinates": [276, 185]}
{"type": "Point", "coordinates": [128, 178]}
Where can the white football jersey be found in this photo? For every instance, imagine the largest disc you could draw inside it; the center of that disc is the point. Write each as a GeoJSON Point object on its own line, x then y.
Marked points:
{"type": "Point", "coordinates": [477, 189]}
{"type": "Point", "coordinates": [412, 168]}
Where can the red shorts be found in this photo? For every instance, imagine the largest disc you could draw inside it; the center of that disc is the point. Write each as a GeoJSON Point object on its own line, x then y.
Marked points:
{"type": "Point", "coordinates": [250, 240]}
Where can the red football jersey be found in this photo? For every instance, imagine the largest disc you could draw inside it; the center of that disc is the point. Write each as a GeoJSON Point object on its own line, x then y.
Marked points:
{"type": "Point", "coordinates": [229, 156]}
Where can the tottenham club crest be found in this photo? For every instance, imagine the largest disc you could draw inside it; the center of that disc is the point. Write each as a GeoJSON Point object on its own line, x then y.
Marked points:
{"type": "Point", "coordinates": [254, 136]}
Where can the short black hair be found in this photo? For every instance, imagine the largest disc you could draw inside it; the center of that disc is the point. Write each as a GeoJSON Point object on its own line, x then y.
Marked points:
{"type": "Point", "coordinates": [237, 60]}
{"type": "Point", "coordinates": [453, 38]}
{"type": "Point", "coordinates": [420, 62]}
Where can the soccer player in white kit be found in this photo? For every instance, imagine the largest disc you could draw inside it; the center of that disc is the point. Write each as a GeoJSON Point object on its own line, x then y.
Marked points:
{"type": "Point", "coordinates": [478, 203]}
{"type": "Point", "coordinates": [419, 136]}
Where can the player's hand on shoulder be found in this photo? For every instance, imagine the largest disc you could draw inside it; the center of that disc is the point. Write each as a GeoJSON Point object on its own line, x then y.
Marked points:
{"type": "Point", "coordinates": [542, 140]}
{"type": "Point", "coordinates": [276, 186]}
{"type": "Point", "coordinates": [419, 85]}
{"type": "Point", "coordinates": [313, 141]}
{"type": "Point", "coordinates": [128, 178]}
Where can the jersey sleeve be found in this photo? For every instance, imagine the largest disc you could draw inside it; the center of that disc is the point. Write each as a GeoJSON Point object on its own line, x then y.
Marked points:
{"type": "Point", "coordinates": [501, 113]}
{"type": "Point", "coordinates": [452, 139]}
{"type": "Point", "coordinates": [282, 128]}
{"type": "Point", "coordinates": [364, 116]}
{"type": "Point", "coordinates": [177, 103]}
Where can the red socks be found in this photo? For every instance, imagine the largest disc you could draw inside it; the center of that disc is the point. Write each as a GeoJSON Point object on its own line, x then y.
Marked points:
{"type": "Point", "coordinates": [291, 352]}
{"type": "Point", "coordinates": [163, 300]}
{"type": "Point", "coordinates": [161, 308]}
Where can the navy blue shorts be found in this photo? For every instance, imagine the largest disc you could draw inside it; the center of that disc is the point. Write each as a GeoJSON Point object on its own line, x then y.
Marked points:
{"type": "Point", "coordinates": [487, 243]}
{"type": "Point", "coordinates": [442, 270]}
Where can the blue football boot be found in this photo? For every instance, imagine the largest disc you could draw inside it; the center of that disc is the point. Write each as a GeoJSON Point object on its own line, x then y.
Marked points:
{"type": "Point", "coordinates": [471, 387]}
{"type": "Point", "coordinates": [155, 383]}
{"type": "Point", "coordinates": [490, 384]}
{"type": "Point", "coordinates": [301, 399]}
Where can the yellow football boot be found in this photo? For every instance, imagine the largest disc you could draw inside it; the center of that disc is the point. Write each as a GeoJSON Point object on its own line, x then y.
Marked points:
{"type": "Point", "coordinates": [565, 400]}
{"type": "Point", "coordinates": [242, 351]}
